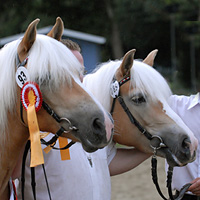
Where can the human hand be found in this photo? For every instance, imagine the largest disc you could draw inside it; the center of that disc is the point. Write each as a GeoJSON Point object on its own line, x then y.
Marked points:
{"type": "Point", "coordinates": [195, 187]}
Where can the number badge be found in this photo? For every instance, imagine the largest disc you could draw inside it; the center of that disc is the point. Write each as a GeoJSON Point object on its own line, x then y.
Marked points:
{"type": "Point", "coordinates": [22, 76]}
{"type": "Point", "coordinates": [114, 89]}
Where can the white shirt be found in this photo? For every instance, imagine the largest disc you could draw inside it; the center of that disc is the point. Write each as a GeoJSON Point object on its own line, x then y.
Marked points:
{"type": "Point", "coordinates": [188, 108]}
{"type": "Point", "coordinates": [12, 191]}
{"type": "Point", "coordinates": [74, 179]}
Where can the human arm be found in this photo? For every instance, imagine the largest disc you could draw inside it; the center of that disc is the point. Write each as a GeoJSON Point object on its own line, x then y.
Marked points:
{"type": "Point", "coordinates": [125, 160]}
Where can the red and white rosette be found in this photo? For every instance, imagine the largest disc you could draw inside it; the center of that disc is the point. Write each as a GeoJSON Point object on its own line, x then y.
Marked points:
{"type": "Point", "coordinates": [27, 87]}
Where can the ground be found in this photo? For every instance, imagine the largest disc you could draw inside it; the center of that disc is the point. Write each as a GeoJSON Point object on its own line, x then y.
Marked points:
{"type": "Point", "coordinates": [137, 183]}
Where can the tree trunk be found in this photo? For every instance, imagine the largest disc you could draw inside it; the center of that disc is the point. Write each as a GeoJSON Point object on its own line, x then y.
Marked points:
{"type": "Point", "coordinates": [199, 12]}
{"type": "Point", "coordinates": [115, 33]}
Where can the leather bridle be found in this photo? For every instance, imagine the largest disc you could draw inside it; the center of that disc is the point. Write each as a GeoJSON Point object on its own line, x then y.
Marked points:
{"type": "Point", "coordinates": [51, 142]}
{"type": "Point", "coordinates": [149, 136]}
{"type": "Point", "coordinates": [132, 119]}
{"type": "Point", "coordinates": [49, 110]}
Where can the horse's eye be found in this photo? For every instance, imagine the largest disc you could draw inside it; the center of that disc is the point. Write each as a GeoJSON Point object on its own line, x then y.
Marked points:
{"type": "Point", "coordinates": [138, 99]}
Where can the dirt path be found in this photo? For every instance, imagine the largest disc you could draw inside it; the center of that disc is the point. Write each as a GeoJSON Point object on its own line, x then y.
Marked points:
{"type": "Point", "coordinates": [137, 183]}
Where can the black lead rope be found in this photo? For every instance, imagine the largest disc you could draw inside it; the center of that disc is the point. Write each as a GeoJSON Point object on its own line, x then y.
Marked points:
{"type": "Point", "coordinates": [62, 148]}
{"type": "Point", "coordinates": [169, 182]}
{"type": "Point", "coordinates": [50, 142]}
{"type": "Point", "coordinates": [155, 177]}
{"type": "Point", "coordinates": [33, 183]}
{"type": "Point", "coordinates": [54, 138]}
{"type": "Point", "coordinates": [27, 147]}
{"type": "Point", "coordinates": [47, 184]}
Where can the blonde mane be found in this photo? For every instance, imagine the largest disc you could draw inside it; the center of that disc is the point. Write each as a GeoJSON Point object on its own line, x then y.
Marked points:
{"type": "Point", "coordinates": [49, 61]}
{"type": "Point", "coordinates": [143, 78]}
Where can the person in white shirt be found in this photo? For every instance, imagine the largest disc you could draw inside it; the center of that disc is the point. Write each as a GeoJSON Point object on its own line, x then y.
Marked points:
{"type": "Point", "coordinates": [188, 108]}
{"type": "Point", "coordinates": [86, 176]}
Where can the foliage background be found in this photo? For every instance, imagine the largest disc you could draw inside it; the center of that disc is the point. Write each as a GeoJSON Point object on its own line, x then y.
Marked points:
{"type": "Point", "coordinates": [126, 24]}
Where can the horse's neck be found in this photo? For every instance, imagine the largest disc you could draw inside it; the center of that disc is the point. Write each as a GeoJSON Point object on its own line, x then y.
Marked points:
{"type": "Point", "coordinates": [6, 194]}
{"type": "Point", "coordinates": [11, 144]}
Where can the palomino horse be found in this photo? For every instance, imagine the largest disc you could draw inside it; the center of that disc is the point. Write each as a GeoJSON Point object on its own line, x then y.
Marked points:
{"type": "Point", "coordinates": [56, 71]}
{"type": "Point", "coordinates": [143, 94]}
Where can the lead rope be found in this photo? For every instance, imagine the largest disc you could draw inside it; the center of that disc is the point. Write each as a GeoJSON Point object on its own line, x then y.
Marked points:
{"type": "Point", "coordinates": [154, 175]}
{"type": "Point", "coordinates": [27, 147]}
{"type": "Point", "coordinates": [47, 184]}
{"type": "Point", "coordinates": [33, 183]}
{"type": "Point", "coordinates": [59, 132]}
{"type": "Point", "coordinates": [169, 181]}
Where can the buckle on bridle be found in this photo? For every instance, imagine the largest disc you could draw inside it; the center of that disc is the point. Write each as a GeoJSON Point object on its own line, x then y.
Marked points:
{"type": "Point", "coordinates": [159, 145]}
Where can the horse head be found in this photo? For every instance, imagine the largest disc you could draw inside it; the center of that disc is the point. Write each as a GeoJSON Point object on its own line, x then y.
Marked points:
{"type": "Point", "coordinates": [41, 84]}
{"type": "Point", "coordinates": [57, 74]}
{"type": "Point", "coordinates": [140, 109]}
{"type": "Point", "coordinates": [146, 96]}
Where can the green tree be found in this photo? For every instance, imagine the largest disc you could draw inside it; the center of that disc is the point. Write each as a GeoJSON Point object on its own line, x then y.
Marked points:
{"type": "Point", "coordinates": [126, 24]}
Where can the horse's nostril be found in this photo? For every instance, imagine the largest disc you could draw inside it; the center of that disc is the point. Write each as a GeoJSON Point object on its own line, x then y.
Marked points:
{"type": "Point", "coordinates": [96, 123]}
{"type": "Point", "coordinates": [98, 126]}
{"type": "Point", "coordinates": [186, 143]}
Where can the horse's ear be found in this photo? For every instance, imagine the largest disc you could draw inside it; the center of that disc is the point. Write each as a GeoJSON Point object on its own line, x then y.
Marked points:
{"type": "Point", "coordinates": [149, 60]}
{"type": "Point", "coordinates": [57, 30]}
{"type": "Point", "coordinates": [127, 62]}
{"type": "Point", "coordinates": [29, 37]}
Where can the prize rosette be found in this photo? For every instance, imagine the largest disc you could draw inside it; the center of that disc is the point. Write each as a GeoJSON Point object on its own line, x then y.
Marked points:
{"type": "Point", "coordinates": [31, 99]}
{"type": "Point", "coordinates": [31, 93]}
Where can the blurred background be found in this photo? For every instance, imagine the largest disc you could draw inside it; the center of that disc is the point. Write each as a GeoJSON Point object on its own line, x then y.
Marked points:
{"type": "Point", "coordinates": [171, 26]}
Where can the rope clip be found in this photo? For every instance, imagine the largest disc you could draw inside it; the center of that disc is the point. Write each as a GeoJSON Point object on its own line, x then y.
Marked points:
{"type": "Point", "coordinates": [71, 127]}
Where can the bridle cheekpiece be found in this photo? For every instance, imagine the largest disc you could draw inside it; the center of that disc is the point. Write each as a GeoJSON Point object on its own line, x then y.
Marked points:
{"type": "Point", "coordinates": [115, 93]}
